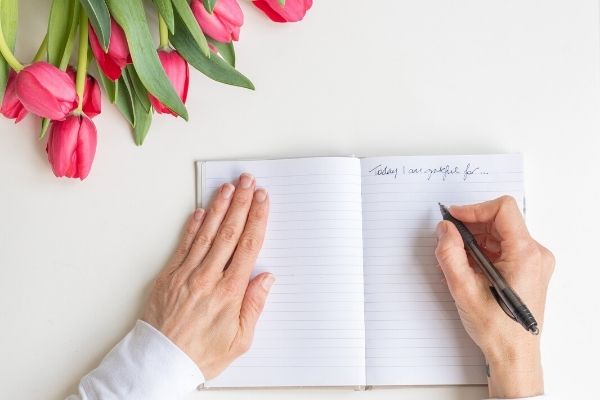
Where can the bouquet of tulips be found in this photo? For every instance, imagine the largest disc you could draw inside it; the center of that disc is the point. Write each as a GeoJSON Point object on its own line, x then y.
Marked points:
{"type": "Point", "coordinates": [115, 36]}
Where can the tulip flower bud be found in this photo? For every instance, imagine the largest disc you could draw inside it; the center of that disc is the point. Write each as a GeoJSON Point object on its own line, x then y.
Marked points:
{"type": "Point", "coordinates": [92, 97]}
{"type": "Point", "coordinates": [224, 23]}
{"type": "Point", "coordinates": [11, 105]}
{"type": "Point", "coordinates": [117, 57]}
{"type": "Point", "coordinates": [178, 71]}
{"type": "Point", "coordinates": [294, 10]}
{"type": "Point", "coordinates": [46, 91]}
{"type": "Point", "coordinates": [72, 146]}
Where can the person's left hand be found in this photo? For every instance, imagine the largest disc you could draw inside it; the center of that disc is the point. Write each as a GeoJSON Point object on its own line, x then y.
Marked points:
{"type": "Point", "coordinates": [204, 300]}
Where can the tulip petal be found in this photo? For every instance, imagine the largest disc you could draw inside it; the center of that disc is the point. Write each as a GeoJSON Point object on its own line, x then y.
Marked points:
{"type": "Point", "coordinates": [178, 71]}
{"type": "Point", "coordinates": [46, 91]}
{"type": "Point", "coordinates": [269, 12]}
{"type": "Point", "coordinates": [229, 11]}
{"type": "Point", "coordinates": [12, 107]}
{"type": "Point", "coordinates": [72, 146]}
{"type": "Point", "coordinates": [224, 23]}
{"type": "Point", "coordinates": [117, 57]}
{"type": "Point", "coordinates": [86, 147]}
{"type": "Point", "coordinates": [62, 143]}
{"type": "Point", "coordinates": [92, 98]}
{"type": "Point", "coordinates": [293, 11]}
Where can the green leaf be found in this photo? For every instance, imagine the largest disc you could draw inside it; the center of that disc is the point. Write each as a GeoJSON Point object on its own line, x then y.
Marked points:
{"type": "Point", "coordinates": [99, 17]}
{"type": "Point", "coordinates": [209, 5]}
{"type": "Point", "coordinates": [281, 3]}
{"type": "Point", "coordinates": [187, 18]}
{"type": "Point", "coordinates": [110, 87]}
{"type": "Point", "coordinates": [125, 99]}
{"type": "Point", "coordinates": [143, 120]}
{"type": "Point", "coordinates": [131, 16]}
{"type": "Point", "coordinates": [9, 15]}
{"type": "Point", "coordinates": [214, 67]}
{"type": "Point", "coordinates": [62, 19]}
{"type": "Point", "coordinates": [165, 9]}
{"type": "Point", "coordinates": [226, 50]}
{"type": "Point", "coordinates": [137, 86]}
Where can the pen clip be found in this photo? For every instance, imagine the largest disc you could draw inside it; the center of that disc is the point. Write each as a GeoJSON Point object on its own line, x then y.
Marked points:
{"type": "Point", "coordinates": [502, 304]}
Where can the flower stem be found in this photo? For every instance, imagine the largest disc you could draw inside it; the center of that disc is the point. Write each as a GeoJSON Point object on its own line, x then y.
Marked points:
{"type": "Point", "coordinates": [64, 62]}
{"type": "Point", "coordinates": [82, 60]}
{"type": "Point", "coordinates": [41, 53]}
{"type": "Point", "coordinates": [7, 53]}
{"type": "Point", "coordinates": [164, 33]}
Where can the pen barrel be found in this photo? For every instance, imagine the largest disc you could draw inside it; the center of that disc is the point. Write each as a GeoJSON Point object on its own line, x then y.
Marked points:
{"type": "Point", "coordinates": [466, 235]}
{"type": "Point", "coordinates": [519, 309]}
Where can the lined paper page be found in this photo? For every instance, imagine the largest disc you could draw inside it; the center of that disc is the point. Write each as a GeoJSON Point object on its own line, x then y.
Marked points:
{"type": "Point", "coordinates": [312, 330]}
{"type": "Point", "coordinates": [413, 332]}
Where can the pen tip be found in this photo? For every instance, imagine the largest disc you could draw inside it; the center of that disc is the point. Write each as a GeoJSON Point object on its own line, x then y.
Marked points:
{"type": "Point", "coordinates": [444, 211]}
{"type": "Point", "coordinates": [534, 330]}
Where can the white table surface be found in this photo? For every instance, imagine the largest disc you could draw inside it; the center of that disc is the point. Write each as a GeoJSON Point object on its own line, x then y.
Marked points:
{"type": "Point", "coordinates": [402, 77]}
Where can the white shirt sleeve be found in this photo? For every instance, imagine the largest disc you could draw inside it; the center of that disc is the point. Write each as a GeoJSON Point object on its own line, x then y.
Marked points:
{"type": "Point", "coordinates": [144, 365]}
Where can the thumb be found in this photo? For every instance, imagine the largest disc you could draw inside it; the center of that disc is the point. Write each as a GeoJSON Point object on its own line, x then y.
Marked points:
{"type": "Point", "coordinates": [254, 302]}
{"type": "Point", "coordinates": [452, 257]}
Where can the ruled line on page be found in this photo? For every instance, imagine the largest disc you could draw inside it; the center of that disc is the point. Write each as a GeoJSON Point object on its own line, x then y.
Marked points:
{"type": "Point", "coordinates": [400, 210]}
{"type": "Point", "coordinates": [314, 236]}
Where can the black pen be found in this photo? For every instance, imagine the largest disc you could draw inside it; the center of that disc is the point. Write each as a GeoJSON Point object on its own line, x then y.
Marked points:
{"type": "Point", "coordinates": [508, 300]}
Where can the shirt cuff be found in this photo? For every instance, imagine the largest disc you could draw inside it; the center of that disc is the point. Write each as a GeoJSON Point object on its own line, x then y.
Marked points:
{"type": "Point", "coordinates": [144, 365]}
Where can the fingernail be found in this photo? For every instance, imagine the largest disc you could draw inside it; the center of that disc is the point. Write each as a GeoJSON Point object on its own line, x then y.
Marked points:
{"type": "Point", "coordinates": [260, 195]}
{"type": "Point", "coordinates": [441, 229]}
{"type": "Point", "coordinates": [246, 180]}
{"type": "Point", "coordinates": [227, 190]}
{"type": "Point", "coordinates": [198, 214]}
{"type": "Point", "coordinates": [268, 282]}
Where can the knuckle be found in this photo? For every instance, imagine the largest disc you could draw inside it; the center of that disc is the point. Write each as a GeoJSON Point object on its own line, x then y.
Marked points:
{"type": "Point", "coordinates": [242, 199]}
{"type": "Point", "coordinates": [203, 240]}
{"type": "Point", "coordinates": [508, 201]}
{"type": "Point", "coordinates": [259, 213]}
{"type": "Point", "coordinates": [253, 306]}
{"type": "Point", "coordinates": [243, 345]}
{"type": "Point", "coordinates": [182, 251]}
{"type": "Point", "coordinates": [160, 282]}
{"type": "Point", "coordinates": [216, 208]}
{"type": "Point", "coordinates": [531, 251]}
{"type": "Point", "coordinates": [176, 280]}
{"type": "Point", "coordinates": [229, 288]}
{"type": "Point", "coordinates": [443, 254]}
{"type": "Point", "coordinates": [250, 243]}
{"type": "Point", "coordinates": [228, 233]}
{"type": "Point", "coordinates": [548, 258]}
{"type": "Point", "coordinates": [198, 282]}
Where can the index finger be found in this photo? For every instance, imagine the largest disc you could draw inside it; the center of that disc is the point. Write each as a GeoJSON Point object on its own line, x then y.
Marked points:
{"type": "Point", "coordinates": [503, 213]}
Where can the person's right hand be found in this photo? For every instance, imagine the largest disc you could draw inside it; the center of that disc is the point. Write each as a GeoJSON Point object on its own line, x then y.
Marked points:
{"type": "Point", "coordinates": [512, 353]}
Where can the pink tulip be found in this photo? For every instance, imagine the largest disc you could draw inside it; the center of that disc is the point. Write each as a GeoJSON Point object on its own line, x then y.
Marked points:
{"type": "Point", "coordinates": [92, 103]}
{"type": "Point", "coordinates": [12, 107]}
{"type": "Point", "coordinates": [117, 57]}
{"type": "Point", "coordinates": [178, 71]}
{"type": "Point", "coordinates": [46, 91]}
{"type": "Point", "coordinates": [294, 10]}
{"type": "Point", "coordinates": [224, 23]}
{"type": "Point", "coordinates": [72, 146]}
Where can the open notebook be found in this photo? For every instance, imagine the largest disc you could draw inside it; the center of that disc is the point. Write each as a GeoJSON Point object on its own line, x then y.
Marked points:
{"type": "Point", "coordinates": [359, 299]}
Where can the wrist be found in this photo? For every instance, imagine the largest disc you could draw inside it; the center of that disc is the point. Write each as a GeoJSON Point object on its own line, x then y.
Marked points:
{"type": "Point", "coordinates": [515, 373]}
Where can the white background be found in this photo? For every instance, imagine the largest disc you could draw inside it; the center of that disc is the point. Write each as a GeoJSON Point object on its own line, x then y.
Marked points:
{"type": "Point", "coordinates": [356, 77]}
